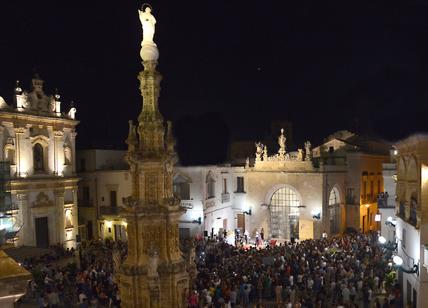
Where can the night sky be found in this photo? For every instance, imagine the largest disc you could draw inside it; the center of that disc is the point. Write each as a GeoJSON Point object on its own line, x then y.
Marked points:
{"type": "Point", "coordinates": [230, 68]}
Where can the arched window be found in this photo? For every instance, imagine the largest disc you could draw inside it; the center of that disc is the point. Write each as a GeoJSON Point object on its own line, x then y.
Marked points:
{"type": "Point", "coordinates": [210, 183]}
{"type": "Point", "coordinates": [284, 211]}
{"type": "Point", "coordinates": [181, 188]}
{"type": "Point", "coordinates": [334, 197]}
{"type": "Point", "coordinates": [38, 158]}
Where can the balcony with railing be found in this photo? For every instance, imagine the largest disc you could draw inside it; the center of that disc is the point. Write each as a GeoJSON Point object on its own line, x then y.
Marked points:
{"type": "Point", "coordinates": [383, 201]}
{"type": "Point", "coordinates": [85, 203]}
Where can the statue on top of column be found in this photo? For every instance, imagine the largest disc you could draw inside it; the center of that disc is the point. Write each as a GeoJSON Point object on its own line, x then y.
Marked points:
{"type": "Point", "coordinates": [148, 22]}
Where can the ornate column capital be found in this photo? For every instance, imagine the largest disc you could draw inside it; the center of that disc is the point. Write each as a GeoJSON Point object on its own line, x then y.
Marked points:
{"type": "Point", "coordinates": [20, 130]}
{"type": "Point", "coordinates": [22, 197]}
{"type": "Point", "coordinates": [58, 133]}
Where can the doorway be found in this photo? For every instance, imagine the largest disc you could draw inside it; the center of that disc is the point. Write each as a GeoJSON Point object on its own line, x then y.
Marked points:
{"type": "Point", "coordinates": [42, 232]}
{"type": "Point", "coordinates": [89, 230]}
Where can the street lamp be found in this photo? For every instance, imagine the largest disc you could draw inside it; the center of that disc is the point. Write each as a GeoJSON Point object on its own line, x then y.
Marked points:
{"type": "Point", "coordinates": [398, 263]}
{"type": "Point", "coordinates": [247, 212]}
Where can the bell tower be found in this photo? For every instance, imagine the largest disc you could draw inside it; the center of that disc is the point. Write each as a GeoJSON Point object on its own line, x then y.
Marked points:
{"type": "Point", "coordinates": [154, 273]}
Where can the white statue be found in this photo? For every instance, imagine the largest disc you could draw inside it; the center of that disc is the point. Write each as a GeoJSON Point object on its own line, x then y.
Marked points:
{"type": "Point", "coordinates": [259, 150]}
{"type": "Point", "coordinates": [265, 153]}
{"type": "Point", "coordinates": [148, 22]}
{"type": "Point", "coordinates": [152, 266]}
{"type": "Point", "coordinates": [281, 140]}
{"type": "Point", "coordinates": [308, 151]}
{"type": "Point", "coordinates": [299, 154]}
{"type": "Point", "coordinates": [3, 103]}
{"type": "Point", "coordinates": [72, 113]}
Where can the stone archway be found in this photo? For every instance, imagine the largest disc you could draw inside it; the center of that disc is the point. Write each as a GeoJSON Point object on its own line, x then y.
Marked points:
{"type": "Point", "coordinates": [284, 213]}
{"type": "Point", "coordinates": [334, 210]}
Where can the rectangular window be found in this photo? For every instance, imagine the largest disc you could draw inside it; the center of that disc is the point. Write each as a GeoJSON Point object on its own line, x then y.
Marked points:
{"type": "Point", "coordinates": [86, 194]}
{"type": "Point", "coordinates": [82, 164]}
{"type": "Point", "coordinates": [224, 186]}
{"type": "Point", "coordinates": [378, 187]}
{"type": "Point", "coordinates": [240, 184]}
{"type": "Point", "coordinates": [113, 198]}
{"type": "Point", "coordinates": [371, 189]}
{"type": "Point", "coordinates": [364, 189]}
{"type": "Point", "coordinates": [403, 240]}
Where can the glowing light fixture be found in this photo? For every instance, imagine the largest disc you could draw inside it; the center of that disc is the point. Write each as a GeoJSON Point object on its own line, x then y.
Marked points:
{"type": "Point", "coordinates": [398, 261]}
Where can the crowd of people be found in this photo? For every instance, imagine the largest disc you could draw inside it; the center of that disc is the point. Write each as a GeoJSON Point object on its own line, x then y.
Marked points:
{"type": "Point", "coordinates": [347, 271]}
{"type": "Point", "coordinates": [87, 280]}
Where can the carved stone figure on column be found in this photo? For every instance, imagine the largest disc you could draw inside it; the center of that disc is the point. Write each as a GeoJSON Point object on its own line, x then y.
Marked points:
{"type": "Point", "coordinates": [152, 266]}
{"type": "Point", "coordinates": [308, 152]}
{"type": "Point", "coordinates": [148, 22]}
{"type": "Point", "coordinates": [149, 51]}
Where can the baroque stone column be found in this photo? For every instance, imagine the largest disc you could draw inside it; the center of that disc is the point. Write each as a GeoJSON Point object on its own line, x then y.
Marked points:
{"type": "Point", "coordinates": [154, 274]}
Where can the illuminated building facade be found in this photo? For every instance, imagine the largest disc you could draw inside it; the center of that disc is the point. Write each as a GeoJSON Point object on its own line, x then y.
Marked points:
{"type": "Point", "coordinates": [412, 220]}
{"type": "Point", "coordinates": [287, 194]}
{"type": "Point", "coordinates": [37, 141]}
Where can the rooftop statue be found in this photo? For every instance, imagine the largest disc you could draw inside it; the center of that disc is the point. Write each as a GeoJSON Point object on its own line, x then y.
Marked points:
{"type": "Point", "coordinates": [281, 142]}
{"type": "Point", "coordinates": [148, 22]}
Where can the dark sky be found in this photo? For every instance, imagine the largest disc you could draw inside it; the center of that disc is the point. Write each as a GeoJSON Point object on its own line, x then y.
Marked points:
{"type": "Point", "coordinates": [230, 67]}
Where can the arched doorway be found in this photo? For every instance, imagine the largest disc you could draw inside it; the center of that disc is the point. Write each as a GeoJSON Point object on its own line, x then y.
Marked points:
{"type": "Point", "coordinates": [334, 211]}
{"type": "Point", "coordinates": [284, 213]}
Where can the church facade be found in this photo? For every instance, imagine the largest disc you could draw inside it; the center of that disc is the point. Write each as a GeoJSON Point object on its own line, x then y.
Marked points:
{"type": "Point", "coordinates": [37, 145]}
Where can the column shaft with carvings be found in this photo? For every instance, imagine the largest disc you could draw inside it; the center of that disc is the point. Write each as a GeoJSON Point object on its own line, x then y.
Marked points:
{"type": "Point", "coordinates": [154, 273]}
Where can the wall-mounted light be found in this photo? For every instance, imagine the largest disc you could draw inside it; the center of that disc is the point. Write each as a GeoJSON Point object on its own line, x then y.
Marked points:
{"type": "Point", "coordinates": [387, 245]}
{"type": "Point", "coordinates": [249, 212]}
{"type": "Point", "coordinates": [197, 221]}
{"type": "Point", "coordinates": [390, 221]}
{"type": "Point", "coordinates": [398, 264]}
{"type": "Point", "coordinates": [316, 214]}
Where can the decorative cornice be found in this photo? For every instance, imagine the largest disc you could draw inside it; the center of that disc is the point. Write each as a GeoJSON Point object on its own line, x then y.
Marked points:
{"type": "Point", "coordinates": [36, 119]}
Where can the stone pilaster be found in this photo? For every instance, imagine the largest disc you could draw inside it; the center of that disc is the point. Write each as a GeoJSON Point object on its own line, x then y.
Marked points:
{"type": "Point", "coordinates": [73, 151]}
{"type": "Point", "coordinates": [57, 149]}
{"type": "Point", "coordinates": [19, 135]}
{"type": "Point", "coordinates": [59, 217]}
{"type": "Point", "coordinates": [26, 234]}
